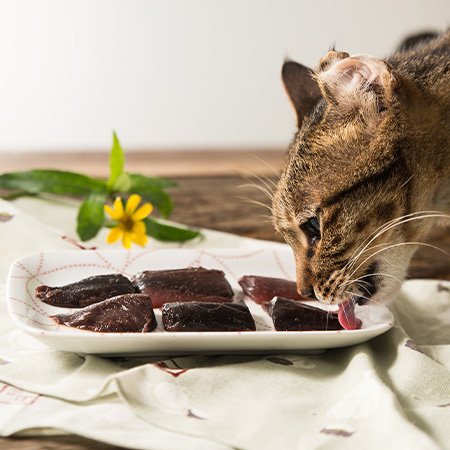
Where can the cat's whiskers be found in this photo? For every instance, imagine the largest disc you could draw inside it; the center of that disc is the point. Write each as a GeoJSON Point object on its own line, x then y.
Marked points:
{"type": "Point", "coordinates": [266, 180]}
{"type": "Point", "coordinates": [362, 296]}
{"type": "Point", "coordinates": [266, 190]}
{"type": "Point", "coordinates": [390, 246]}
{"type": "Point", "coordinates": [389, 226]}
{"type": "Point", "coordinates": [376, 274]}
{"type": "Point", "coordinates": [256, 202]}
{"type": "Point", "coordinates": [329, 314]}
{"type": "Point", "coordinates": [374, 235]}
{"type": "Point", "coordinates": [268, 193]}
{"type": "Point", "coordinates": [394, 222]}
{"type": "Point", "coordinates": [269, 184]}
{"type": "Point", "coordinates": [277, 174]}
{"type": "Point", "coordinates": [360, 284]}
{"type": "Point", "coordinates": [267, 218]}
{"type": "Point", "coordinates": [407, 181]}
{"type": "Point", "coordinates": [361, 287]}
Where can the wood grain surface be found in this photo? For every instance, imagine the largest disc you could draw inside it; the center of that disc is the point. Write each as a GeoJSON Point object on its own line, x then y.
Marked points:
{"type": "Point", "coordinates": [224, 201]}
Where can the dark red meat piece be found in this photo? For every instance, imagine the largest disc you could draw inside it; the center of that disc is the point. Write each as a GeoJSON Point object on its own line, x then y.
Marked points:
{"type": "Point", "coordinates": [184, 285]}
{"type": "Point", "coordinates": [122, 314]}
{"type": "Point", "coordinates": [288, 315]}
{"type": "Point", "coordinates": [207, 316]}
{"type": "Point", "coordinates": [85, 292]}
{"type": "Point", "coordinates": [263, 289]}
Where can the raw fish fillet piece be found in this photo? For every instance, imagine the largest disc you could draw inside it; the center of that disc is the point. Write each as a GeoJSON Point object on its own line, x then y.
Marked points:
{"type": "Point", "coordinates": [207, 316]}
{"type": "Point", "coordinates": [184, 285]}
{"type": "Point", "coordinates": [122, 314]}
{"type": "Point", "coordinates": [85, 292]}
{"type": "Point", "coordinates": [288, 315]}
{"type": "Point", "coordinates": [263, 289]}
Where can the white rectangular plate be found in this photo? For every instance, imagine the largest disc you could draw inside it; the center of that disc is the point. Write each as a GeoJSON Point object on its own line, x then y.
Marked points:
{"type": "Point", "coordinates": [58, 268]}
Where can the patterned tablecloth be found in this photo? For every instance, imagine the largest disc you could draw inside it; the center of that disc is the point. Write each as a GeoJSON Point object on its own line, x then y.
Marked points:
{"type": "Point", "coordinates": [391, 390]}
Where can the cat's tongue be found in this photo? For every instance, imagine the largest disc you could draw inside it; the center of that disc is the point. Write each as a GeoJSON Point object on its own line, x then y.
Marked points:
{"type": "Point", "coordinates": [347, 316]}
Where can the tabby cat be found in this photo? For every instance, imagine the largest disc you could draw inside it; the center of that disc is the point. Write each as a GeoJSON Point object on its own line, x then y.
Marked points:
{"type": "Point", "coordinates": [368, 172]}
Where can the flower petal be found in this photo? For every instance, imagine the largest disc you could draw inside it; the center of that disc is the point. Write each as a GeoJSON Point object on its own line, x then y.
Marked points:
{"type": "Point", "coordinates": [132, 203]}
{"type": "Point", "coordinates": [140, 239]}
{"type": "Point", "coordinates": [126, 240]}
{"type": "Point", "coordinates": [118, 206]}
{"type": "Point", "coordinates": [139, 228]}
{"type": "Point", "coordinates": [116, 216]}
{"type": "Point", "coordinates": [114, 235]}
{"type": "Point", "coordinates": [143, 211]}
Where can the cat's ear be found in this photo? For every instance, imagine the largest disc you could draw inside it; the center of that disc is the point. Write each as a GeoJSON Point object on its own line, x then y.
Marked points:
{"type": "Point", "coordinates": [352, 82]}
{"type": "Point", "coordinates": [301, 87]}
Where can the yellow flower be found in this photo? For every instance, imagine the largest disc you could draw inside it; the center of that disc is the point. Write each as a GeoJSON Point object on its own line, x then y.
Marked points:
{"type": "Point", "coordinates": [129, 221]}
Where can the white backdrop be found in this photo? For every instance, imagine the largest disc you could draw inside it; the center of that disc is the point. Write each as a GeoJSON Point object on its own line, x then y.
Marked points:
{"type": "Point", "coordinates": [175, 74]}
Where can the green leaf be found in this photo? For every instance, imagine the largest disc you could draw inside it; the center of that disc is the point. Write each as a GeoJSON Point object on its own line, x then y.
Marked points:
{"type": "Point", "coordinates": [160, 200]}
{"type": "Point", "coordinates": [51, 181]}
{"type": "Point", "coordinates": [18, 194]}
{"type": "Point", "coordinates": [122, 183]}
{"type": "Point", "coordinates": [150, 189]}
{"type": "Point", "coordinates": [141, 183]}
{"type": "Point", "coordinates": [91, 216]}
{"type": "Point", "coordinates": [168, 233]}
{"type": "Point", "coordinates": [116, 161]}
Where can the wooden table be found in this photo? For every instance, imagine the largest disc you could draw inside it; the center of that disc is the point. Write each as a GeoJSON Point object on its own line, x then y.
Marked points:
{"type": "Point", "coordinates": [216, 191]}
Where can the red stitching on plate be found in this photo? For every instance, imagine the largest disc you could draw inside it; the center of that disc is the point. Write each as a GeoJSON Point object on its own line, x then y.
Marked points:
{"type": "Point", "coordinates": [35, 321]}
{"type": "Point", "coordinates": [243, 256]}
{"type": "Point", "coordinates": [73, 266]}
{"type": "Point", "coordinates": [31, 296]}
{"type": "Point", "coordinates": [261, 325]}
{"type": "Point", "coordinates": [198, 259]}
{"type": "Point", "coordinates": [224, 266]}
{"type": "Point", "coordinates": [219, 259]}
{"type": "Point", "coordinates": [41, 263]}
{"type": "Point", "coordinates": [22, 267]}
{"type": "Point", "coordinates": [39, 311]}
{"type": "Point", "coordinates": [280, 265]}
{"type": "Point", "coordinates": [103, 258]}
{"type": "Point", "coordinates": [131, 260]}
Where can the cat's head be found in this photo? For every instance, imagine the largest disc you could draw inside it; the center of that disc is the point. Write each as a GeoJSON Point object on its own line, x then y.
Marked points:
{"type": "Point", "coordinates": [346, 182]}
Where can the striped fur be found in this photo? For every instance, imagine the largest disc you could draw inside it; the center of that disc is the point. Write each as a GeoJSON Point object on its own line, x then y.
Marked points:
{"type": "Point", "coordinates": [371, 160]}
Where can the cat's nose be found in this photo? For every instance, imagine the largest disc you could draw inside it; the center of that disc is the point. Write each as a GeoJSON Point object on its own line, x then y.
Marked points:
{"type": "Point", "coordinates": [307, 292]}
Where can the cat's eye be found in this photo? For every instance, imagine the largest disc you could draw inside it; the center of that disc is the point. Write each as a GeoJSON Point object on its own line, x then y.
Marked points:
{"type": "Point", "coordinates": [312, 229]}
{"type": "Point", "coordinates": [313, 225]}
